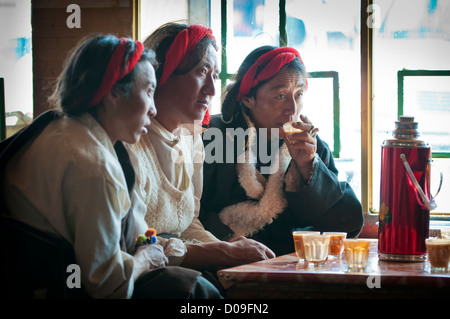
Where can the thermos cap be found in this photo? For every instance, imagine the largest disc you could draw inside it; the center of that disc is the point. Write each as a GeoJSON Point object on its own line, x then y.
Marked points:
{"type": "Point", "coordinates": [405, 134]}
{"type": "Point", "coordinates": [406, 128]}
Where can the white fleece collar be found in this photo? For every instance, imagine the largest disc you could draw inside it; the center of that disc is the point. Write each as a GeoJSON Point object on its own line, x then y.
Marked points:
{"type": "Point", "coordinates": [266, 195]}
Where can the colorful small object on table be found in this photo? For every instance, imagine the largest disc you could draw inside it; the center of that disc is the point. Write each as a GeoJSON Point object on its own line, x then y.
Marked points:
{"type": "Point", "coordinates": [147, 239]}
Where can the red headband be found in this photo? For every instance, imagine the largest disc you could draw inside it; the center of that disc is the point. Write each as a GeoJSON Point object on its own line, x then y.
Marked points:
{"type": "Point", "coordinates": [183, 44]}
{"type": "Point", "coordinates": [275, 59]}
{"type": "Point", "coordinates": [114, 71]}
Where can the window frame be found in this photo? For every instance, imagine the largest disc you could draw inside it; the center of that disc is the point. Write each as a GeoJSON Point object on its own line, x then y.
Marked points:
{"type": "Point", "coordinates": [334, 75]}
{"type": "Point", "coordinates": [2, 110]}
{"type": "Point", "coordinates": [366, 49]}
{"type": "Point", "coordinates": [401, 74]}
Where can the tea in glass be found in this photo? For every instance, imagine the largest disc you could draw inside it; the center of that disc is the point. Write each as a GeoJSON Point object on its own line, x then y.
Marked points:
{"type": "Point", "coordinates": [336, 242]}
{"type": "Point", "coordinates": [316, 248]}
{"type": "Point", "coordinates": [289, 129]}
{"type": "Point", "coordinates": [438, 250]}
{"type": "Point", "coordinates": [298, 242]}
{"type": "Point", "coordinates": [356, 253]}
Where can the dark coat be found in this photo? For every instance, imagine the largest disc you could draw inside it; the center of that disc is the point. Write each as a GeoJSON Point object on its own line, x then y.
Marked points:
{"type": "Point", "coordinates": [326, 204]}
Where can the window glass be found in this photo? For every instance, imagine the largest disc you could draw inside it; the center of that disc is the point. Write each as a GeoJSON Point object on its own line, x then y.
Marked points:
{"type": "Point", "coordinates": [250, 24]}
{"type": "Point", "coordinates": [412, 35]}
{"type": "Point", "coordinates": [155, 13]}
{"type": "Point", "coordinates": [428, 98]}
{"type": "Point", "coordinates": [326, 33]}
{"type": "Point", "coordinates": [216, 26]}
{"type": "Point", "coordinates": [16, 63]}
{"type": "Point", "coordinates": [320, 92]}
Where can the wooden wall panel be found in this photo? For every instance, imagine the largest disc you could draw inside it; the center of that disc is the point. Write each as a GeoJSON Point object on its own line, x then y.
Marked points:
{"type": "Point", "coordinates": [52, 39]}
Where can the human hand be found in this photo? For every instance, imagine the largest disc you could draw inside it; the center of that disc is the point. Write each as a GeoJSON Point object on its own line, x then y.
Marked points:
{"type": "Point", "coordinates": [244, 250]}
{"type": "Point", "coordinates": [302, 146]}
{"type": "Point", "coordinates": [148, 257]}
{"type": "Point", "coordinates": [153, 255]}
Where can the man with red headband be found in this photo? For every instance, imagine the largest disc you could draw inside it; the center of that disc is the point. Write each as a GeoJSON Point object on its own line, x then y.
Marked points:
{"type": "Point", "coordinates": [169, 158]}
{"type": "Point", "coordinates": [271, 186]}
{"type": "Point", "coordinates": [68, 179]}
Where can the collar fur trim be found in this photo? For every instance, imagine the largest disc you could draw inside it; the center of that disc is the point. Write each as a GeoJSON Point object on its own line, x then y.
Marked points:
{"type": "Point", "coordinates": [267, 198]}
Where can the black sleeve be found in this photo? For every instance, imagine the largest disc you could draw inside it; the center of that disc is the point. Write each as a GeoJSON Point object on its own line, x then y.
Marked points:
{"type": "Point", "coordinates": [215, 195]}
{"type": "Point", "coordinates": [326, 203]}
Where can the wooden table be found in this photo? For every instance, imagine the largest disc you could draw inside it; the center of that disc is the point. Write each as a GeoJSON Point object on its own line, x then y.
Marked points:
{"type": "Point", "coordinates": [285, 277]}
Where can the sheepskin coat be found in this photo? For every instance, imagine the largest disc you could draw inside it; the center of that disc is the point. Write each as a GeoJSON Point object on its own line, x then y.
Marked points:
{"type": "Point", "coordinates": [240, 200]}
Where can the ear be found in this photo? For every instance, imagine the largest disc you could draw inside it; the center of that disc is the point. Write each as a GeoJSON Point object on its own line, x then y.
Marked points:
{"type": "Point", "coordinates": [112, 97]}
{"type": "Point", "coordinates": [249, 102]}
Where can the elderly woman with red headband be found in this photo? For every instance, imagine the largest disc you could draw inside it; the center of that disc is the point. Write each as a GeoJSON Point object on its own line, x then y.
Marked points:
{"type": "Point", "coordinates": [69, 175]}
{"type": "Point", "coordinates": [271, 186]}
{"type": "Point", "coordinates": [170, 156]}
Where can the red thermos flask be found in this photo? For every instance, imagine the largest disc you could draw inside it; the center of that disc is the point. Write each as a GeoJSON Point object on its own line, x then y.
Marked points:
{"type": "Point", "coordinates": [405, 200]}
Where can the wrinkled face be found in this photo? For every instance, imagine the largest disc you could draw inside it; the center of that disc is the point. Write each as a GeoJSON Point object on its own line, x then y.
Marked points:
{"type": "Point", "coordinates": [277, 101]}
{"type": "Point", "coordinates": [185, 98]}
{"type": "Point", "coordinates": [130, 116]}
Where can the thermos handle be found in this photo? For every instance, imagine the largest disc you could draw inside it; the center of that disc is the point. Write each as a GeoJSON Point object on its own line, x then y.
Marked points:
{"type": "Point", "coordinates": [428, 204]}
{"type": "Point", "coordinates": [440, 182]}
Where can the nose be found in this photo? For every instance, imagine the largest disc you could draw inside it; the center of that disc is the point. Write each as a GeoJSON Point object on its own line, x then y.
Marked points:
{"type": "Point", "coordinates": [209, 88]}
{"type": "Point", "coordinates": [291, 107]}
{"type": "Point", "coordinates": [152, 109]}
